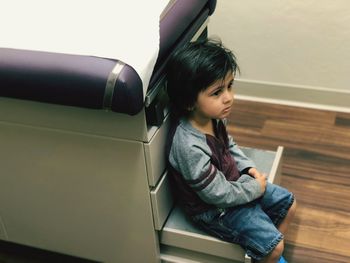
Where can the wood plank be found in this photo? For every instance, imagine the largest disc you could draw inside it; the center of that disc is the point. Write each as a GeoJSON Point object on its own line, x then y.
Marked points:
{"type": "Point", "coordinates": [281, 112]}
{"type": "Point", "coordinates": [319, 194]}
{"type": "Point", "coordinates": [304, 164]}
{"type": "Point", "coordinates": [342, 119]}
{"type": "Point", "coordinates": [310, 133]}
{"type": "Point", "coordinates": [321, 230]}
{"type": "Point", "coordinates": [300, 254]}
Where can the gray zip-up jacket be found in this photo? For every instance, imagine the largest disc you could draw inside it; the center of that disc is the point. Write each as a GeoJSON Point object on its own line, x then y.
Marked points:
{"type": "Point", "coordinates": [208, 172]}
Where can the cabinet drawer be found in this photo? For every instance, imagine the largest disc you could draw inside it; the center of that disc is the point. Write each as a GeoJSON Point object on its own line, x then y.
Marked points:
{"type": "Point", "coordinates": [155, 153]}
{"type": "Point", "coordinates": [268, 162]}
{"type": "Point", "coordinates": [162, 202]}
{"type": "Point", "coordinates": [276, 169]}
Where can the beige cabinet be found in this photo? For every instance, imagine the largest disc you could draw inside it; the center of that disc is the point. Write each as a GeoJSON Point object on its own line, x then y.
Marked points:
{"type": "Point", "coordinates": [79, 188]}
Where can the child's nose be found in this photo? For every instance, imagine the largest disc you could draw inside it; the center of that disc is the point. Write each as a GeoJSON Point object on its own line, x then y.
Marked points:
{"type": "Point", "coordinates": [228, 96]}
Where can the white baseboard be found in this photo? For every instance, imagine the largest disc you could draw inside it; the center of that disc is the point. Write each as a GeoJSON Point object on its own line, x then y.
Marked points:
{"type": "Point", "coordinates": [300, 96]}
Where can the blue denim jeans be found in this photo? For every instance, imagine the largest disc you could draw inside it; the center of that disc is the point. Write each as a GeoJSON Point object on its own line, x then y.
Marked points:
{"type": "Point", "coordinates": [252, 225]}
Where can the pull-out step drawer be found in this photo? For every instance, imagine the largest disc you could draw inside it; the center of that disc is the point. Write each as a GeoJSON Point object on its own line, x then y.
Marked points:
{"type": "Point", "coordinates": [181, 241]}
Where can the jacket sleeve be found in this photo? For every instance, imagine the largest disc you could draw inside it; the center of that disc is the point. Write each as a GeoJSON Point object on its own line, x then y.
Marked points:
{"type": "Point", "coordinates": [243, 162]}
{"type": "Point", "coordinates": [192, 160]}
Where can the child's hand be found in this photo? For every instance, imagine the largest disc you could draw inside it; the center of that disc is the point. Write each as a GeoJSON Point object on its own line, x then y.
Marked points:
{"type": "Point", "coordinates": [261, 178]}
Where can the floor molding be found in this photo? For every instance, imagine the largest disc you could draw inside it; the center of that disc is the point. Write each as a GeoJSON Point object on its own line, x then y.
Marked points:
{"type": "Point", "coordinates": [299, 96]}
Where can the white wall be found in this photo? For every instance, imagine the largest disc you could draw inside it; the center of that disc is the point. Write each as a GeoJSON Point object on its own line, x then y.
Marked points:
{"type": "Point", "coordinates": [289, 50]}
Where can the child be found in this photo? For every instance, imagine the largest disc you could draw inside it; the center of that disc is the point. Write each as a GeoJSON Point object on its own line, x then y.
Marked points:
{"type": "Point", "coordinates": [217, 185]}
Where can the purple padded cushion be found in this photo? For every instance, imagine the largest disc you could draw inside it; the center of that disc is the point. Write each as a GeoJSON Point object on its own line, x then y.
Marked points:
{"type": "Point", "coordinates": [67, 80]}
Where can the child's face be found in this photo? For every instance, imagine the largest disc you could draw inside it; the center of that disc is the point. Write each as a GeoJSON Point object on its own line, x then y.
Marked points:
{"type": "Point", "coordinates": [215, 102]}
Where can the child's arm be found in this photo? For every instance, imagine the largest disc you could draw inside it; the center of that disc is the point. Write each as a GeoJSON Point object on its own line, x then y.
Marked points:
{"type": "Point", "coordinates": [242, 161]}
{"type": "Point", "coordinates": [245, 164]}
{"type": "Point", "coordinates": [194, 163]}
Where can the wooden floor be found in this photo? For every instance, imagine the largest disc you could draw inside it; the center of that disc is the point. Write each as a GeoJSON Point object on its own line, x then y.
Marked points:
{"type": "Point", "coordinates": [316, 169]}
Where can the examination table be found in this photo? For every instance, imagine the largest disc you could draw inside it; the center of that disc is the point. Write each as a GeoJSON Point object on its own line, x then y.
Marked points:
{"type": "Point", "coordinates": [82, 154]}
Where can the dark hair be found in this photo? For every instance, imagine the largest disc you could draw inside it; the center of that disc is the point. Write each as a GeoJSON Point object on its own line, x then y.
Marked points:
{"type": "Point", "coordinates": [194, 67]}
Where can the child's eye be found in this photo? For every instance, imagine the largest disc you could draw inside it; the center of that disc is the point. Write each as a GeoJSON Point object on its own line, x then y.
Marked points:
{"type": "Point", "coordinates": [230, 85]}
{"type": "Point", "coordinates": [217, 92]}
